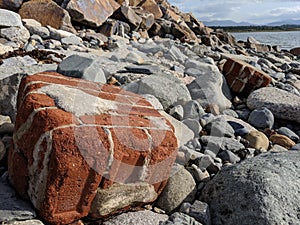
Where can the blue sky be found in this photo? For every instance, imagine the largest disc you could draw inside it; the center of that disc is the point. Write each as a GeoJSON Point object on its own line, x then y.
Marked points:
{"type": "Point", "coordinates": [253, 11]}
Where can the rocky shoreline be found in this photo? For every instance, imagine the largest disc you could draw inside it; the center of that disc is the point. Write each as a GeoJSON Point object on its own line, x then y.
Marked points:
{"type": "Point", "coordinates": [162, 90]}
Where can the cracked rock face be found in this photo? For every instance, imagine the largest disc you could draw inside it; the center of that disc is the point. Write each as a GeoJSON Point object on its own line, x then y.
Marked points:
{"type": "Point", "coordinates": [74, 136]}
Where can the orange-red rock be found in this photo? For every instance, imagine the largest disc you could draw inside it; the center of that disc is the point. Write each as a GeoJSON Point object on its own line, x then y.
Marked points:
{"type": "Point", "coordinates": [243, 78]}
{"type": "Point", "coordinates": [47, 12]}
{"type": "Point", "coordinates": [91, 12]}
{"type": "Point", "coordinates": [73, 136]}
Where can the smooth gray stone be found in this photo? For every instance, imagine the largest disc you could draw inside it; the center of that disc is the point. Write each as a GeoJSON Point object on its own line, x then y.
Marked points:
{"type": "Point", "coordinates": [261, 118]}
{"type": "Point", "coordinates": [193, 110]}
{"type": "Point", "coordinates": [168, 89]}
{"type": "Point", "coordinates": [177, 112]}
{"type": "Point", "coordinates": [9, 19]}
{"type": "Point", "coordinates": [82, 67]}
{"type": "Point", "coordinates": [35, 28]}
{"type": "Point", "coordinates": [180, 187]}
{"type": "Point", "coordinates": [261, 190]}
{"type": "Point", "coordinates": [194, 125]}
{"type": "Point", "coordinates": [220, 128]}
{"type": "Point", "coordinates": [289, 133]}
{"type": "Point", "coordinates": [71, 40]}
{"type": "Point", "coordinates": [13, 208]}
{"type": "Point", "coordinates": [215, 144]}
{"type": "Point", "coordinates": [283, 104]}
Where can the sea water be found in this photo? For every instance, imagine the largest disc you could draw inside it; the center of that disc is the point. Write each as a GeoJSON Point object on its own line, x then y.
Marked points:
{"type": "Point", "coordinates": [285, 39]}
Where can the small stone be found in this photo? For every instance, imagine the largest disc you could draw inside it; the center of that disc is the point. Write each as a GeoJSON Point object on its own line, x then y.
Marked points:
{"type": "Point", "coordinates": [180, 187]}
{"type": "Point", "coordinates": [194, 125]}
{"type": "Point", "coordinates": [289, 133]}
{"type": "Point", "coordinates": [15, 34]}
{"type": "Point", "coordinates": [120, 196]}
{"type": "Point", "coordinates": [199, 175]}
{"type": "Point", "coordinates": [257, 140]}
{"type": "Point", "coordinates": [35, 28]}
{"type": "Point", "coordinates": [261, 118]}
{"type": "Point", "coordinates": [135, 58]}
{"type": "Point", "coordinates": [216, 144]}
{"type": "Point", "coordinates": [220, 128]}
{"type": "Point", "coordinates": [228, 156]}
{"type": "Point", "coordinates": [177, 112]}
{"type": "Point", "coordinates": [199, 211]}
{"type": "Point", "coordinates": [296, 147]}
{"type": "Point", "coordinates": [181, 219]}
{"type": "Point", "coordinates": [71, 40]}
{"type": "Point", "coordinates": [7, 128]}
{"type": "Point", "coordinates": [193, 110]}
{"type": "Point", "coordinates": [278, 148]}
{"type": "Point", "coordinates": [282, 140]}
{"type": "Point", "coordinates": [4, 119]}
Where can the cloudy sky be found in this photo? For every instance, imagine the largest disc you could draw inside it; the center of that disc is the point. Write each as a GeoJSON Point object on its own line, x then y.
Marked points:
{"type": "Point", "coordinates": [252, 11]}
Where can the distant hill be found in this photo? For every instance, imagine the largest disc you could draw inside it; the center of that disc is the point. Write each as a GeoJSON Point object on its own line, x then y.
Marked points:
{"type": "Point", "coordinates": [226, 23]}
{"type": "Point", "coordinates": [284, 22]}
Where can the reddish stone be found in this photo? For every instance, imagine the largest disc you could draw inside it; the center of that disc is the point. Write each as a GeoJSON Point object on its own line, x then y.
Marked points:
{"type": "Point", "coordinates": [152, 7]}
{"type": "Point", "coordinates": [243, 78]}
{"type": "Point", "coordinates": [295, 51]}
{"type": "Point", "coordinates": [91, 12]}
{"type": "Point", "coordinates": [47, 12]}
{"type": "Point", "coordinates": [62, 154]}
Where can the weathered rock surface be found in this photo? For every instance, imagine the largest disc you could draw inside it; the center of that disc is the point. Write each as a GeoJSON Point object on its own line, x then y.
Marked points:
{"type": "Point", "coordinates": [167, 89]}
{"type": "Point", "coordinates": [261, 190]}
{"type": "Point", "coordinates": [10, 4]}
{"type": "Point", "coordinates": [13, 208]}
{"type": "Point", "coordinates": [47, 12]}
{"type": "Point", "coordinates": [144, 217]}
{"type": "Point", "coordinates": [84, 134]}
{"type": "Point", "coordinates": [180, 188]}
{"type": "Point", "coordinates": [82, 67]}
{"type": "Point", "coordinates": [10, 78]}
{"type": "Point", "coordinates": [92, 13]}
{"type": "Point", "coordinates": [181, 219]}
{"type": "Point", "coordinates": [120, 196]}
{"type": "Point", "coordinates": [244, 78]}
{"type": "Point", "coordinates": [283, 104]}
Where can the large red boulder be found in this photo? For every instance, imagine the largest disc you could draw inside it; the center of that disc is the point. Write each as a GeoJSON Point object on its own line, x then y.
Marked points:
{"type": "Point", "coordinates": [73, 136]}
{"type": "Point", "coordinates": [243, 78]}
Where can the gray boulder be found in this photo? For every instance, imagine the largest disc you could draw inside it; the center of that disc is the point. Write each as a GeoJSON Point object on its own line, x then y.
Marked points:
{"type": "Point", "coordinates": [35, 27]}
{"type": "Point", "coordinates": [207, 89]}
{"type": "Point", "coordinates": [82, 67]}
{"type": "Point", "coordinates": [283, 104]}
{"type": "Point", "coordinates": [168, 89]}
{"type": "Point", "coordinates": [261, 190]}
{"type": "Point", "coordinates": [219, 128]}
{"type": "Point", "coordinates": [198, 210]}
{"type": "Point", "coordinates": [261, 118]}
